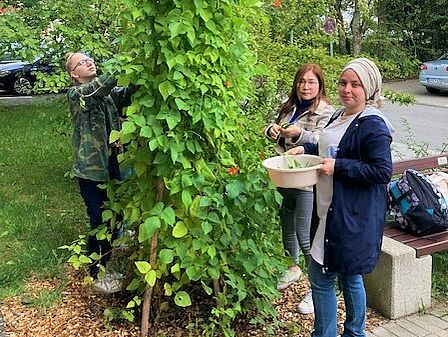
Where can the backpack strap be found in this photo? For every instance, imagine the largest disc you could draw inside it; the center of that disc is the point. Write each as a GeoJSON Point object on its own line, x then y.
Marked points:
{"type": "Point", "coordinates": [401, 197]}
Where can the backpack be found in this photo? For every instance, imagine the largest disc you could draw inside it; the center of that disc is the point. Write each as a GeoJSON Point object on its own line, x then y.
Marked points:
{"type": "Point", "coordinates": [416, 204]}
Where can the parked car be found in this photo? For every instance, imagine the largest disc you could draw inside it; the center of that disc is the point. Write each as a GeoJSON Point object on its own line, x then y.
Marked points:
{"type": "Point", "coordinates": [18, 76]}
{"type": "Point", "coordinates": [434, 74]}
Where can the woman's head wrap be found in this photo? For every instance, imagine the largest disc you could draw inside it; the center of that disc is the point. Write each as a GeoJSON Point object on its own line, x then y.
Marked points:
{"type": "Point", "coordinates": [371, 79]}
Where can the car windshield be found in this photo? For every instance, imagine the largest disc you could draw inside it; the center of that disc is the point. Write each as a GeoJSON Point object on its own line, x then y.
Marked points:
{"type": "Point", "coordinates": [443, 57]}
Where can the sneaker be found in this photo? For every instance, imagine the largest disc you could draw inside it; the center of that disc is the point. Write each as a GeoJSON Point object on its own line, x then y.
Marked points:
{"type": "Point", "coordinates": [306, 306]}
{"type": "Point", "coordinates": [110, 283]}
{"type": "Point", "coordinates": [288, 278]}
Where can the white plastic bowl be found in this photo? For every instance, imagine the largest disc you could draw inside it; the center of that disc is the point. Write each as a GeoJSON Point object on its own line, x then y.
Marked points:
{"type": "Point", "coordinates": [282, 176]}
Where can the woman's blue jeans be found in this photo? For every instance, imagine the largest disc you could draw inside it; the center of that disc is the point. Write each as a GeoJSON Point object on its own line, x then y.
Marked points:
{"type": "Point", "coordinates": [295, 218]}
{"type": "Point", "coordinates": [325, 302]}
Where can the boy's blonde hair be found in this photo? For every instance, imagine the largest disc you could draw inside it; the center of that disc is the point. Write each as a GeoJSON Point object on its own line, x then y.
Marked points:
{"type": "Point", "coordinates": [68, 61]}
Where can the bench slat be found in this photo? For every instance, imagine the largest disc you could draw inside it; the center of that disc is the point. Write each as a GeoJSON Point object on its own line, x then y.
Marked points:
{"type": "Point", "coordinates": [420, 163]}
{"type": "Point", "coordinates": [423, 245]}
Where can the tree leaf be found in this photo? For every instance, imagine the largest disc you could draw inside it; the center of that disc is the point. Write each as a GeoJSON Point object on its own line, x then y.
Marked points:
{"type": "Point", "coordinates": [206, 227]}
{"type": "Point", "coordinates": [166, 88]}
{"type": "Point", "coordinates": [168, 216]}
{"type": "Point", "coordinates": [143, 266]}
{"type": "Point", "coordinates": [166, 256]}
{"type": "Point", "coordinates": [114, 136]}
{"type": "Point", "coordinates": [213, 272]}
{"type": "Point", "coordinates": [107, 215]}
{"type": "Point", "coordinates": [128, 127]}
{"type": "Point", "coordinates": [186, 198]}
{"type": "Point", "coordinates": [151, 278]}
{"type": "Point", "coordinates": [146, 132]}
{"type": "Point", "coordinates": [180, 230]}
{"type": "Point", "coordinates": [85, 259]}
{"type": "Point", "coordinates": [207, 289]}
{"type": "Point", "coordinates": [148, 228]}
{"type": "Point", "coordinates": [182, 299]}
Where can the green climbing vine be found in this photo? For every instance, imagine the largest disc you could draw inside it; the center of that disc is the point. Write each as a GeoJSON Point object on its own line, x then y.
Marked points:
{"type": "Point", "coordinates": [199, 201]}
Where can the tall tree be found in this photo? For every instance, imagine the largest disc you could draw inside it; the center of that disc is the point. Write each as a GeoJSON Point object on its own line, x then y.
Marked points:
{"type": "Point", "coordinates": [425, 24]}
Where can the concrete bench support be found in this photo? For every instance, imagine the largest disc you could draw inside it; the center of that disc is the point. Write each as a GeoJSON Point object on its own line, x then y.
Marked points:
{"type": "Point", "coordinates": [400, 284]}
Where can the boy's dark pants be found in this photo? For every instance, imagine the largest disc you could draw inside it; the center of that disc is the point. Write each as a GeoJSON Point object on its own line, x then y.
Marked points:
{"type": "Point", "coordinates": [94, 198]}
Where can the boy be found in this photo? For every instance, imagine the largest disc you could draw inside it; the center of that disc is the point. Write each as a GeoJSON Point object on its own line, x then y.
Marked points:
{"type": "Point", "coordinates": [95, 105]}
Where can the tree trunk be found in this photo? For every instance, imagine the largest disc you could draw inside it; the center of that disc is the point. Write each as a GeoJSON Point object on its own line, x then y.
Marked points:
{"type": "Point", "coordinates": [356, 26]}
{"type": "Point", "coordinates": [340, 26]}
{"type": "Point", "coordinates": [146, 310]}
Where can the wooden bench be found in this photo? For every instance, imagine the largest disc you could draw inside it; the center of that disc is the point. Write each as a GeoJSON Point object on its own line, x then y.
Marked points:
{"type": "Point", "coordinates": [428, 244]}
{"type": "Point", "coordinates": [400, 284]}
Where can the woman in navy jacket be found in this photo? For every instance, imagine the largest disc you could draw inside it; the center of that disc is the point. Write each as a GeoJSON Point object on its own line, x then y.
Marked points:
{"type": "Point", "coordinates": [350, 199]}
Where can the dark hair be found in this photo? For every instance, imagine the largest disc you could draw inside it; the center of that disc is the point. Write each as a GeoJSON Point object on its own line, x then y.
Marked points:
{"type": "Point", "coordinates": [293, 98]}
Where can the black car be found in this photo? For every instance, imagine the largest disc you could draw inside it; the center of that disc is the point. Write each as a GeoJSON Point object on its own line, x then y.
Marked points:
{"type": "Point", "coordinates": [18, 76]}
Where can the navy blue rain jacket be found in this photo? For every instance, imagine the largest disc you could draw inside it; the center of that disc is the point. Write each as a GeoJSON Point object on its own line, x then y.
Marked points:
{"type": "Point", "coordinates": [355, 220]}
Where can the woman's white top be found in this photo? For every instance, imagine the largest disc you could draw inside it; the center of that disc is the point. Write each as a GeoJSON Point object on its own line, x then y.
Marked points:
{"type": "Point", "coordinates": [328, 147]}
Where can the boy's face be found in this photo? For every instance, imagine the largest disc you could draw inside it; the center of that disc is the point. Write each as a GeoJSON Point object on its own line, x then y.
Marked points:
{"type": "Point", "coordinates": [82, 68]}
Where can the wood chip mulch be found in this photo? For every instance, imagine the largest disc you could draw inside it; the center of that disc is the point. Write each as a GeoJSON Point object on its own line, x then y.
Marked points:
{"type": "Point", "coordinates": [80, 313]}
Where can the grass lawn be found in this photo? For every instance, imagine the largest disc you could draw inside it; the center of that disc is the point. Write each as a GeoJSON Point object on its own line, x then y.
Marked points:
{"type": "Point", "coordinates": [40, 205]}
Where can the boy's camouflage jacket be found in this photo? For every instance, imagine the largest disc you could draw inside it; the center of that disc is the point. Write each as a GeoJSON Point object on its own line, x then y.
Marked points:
{"type": "Point", "coordinates": [95, 108]}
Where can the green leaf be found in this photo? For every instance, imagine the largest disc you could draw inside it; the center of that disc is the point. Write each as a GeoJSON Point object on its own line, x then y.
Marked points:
{"type": "Point", "coordinates": [181, 104]}
{"type": "Point", "coordinates": [205, 14]}
{"type": "Point", "coordinates": [153, 144]}
{"type": "Point", "coordinates": [186, 181]}
{"type": "Point", "coordinates": [148, 228]}
{"type": "Point", "coordinates": [128, 127]}
{"type": "Point", "coordinates": [151, 278]}
{"type": "Point", "coordinates": [147, 101]}
{"type": "Point", "coordinates": [140, 168]}
{"type": "Point", "coordinates": [235, 188]}
{"type": "Point", "coordinates": [146, 132]}
{"type": "Point", "coordinates": [206, 288]}
{"type": "Point", "coordinates": [136, 13]}
{"type": "Point", "coordinates": [166, 256]}
{"type": "Point", "coordinates": [213, 272]}
{"type": "Point", "coordinates": [95, 256]}
{"type": "Point", "coordinates": [166, 88]}
{"type": "Point", "coordinates": [186, 198]}
{"type": "Point", "coordinates": [172, 122]}
{"type": "Point", "coordinates": [174, 154]}
{"type": "Point", "coordinates": [180, 230]}
{"type": "Point", "coordinates": [107, 215]}
{"type": "Point", "coordinates": [213, 217]}
{"type": "Point", "coordinates": [175, 268]}
{"type": "Point", "coordinates": [135, 284]}
{"type": "Point", "coordinates": [140, 120]}
{"type": "Point", "coordinates": [85, 259]}
{"type": "Point", "coordinates": [211, 251]}
{"type": "Point", "coordinates": [114, 136]}
{"type": "Point", "coordinates": [168, 216]}
{"type": "Point", "coordinates": [157, 209]}
{"type": "Point", "coordinates": [171, 62]}
{"type": "Point", "coordinates": [143, 266]}
{"type": "Point", "coordinates": [182, 299]}
{"type": "Point", "coordinates": [173, 119]}
{"type": "Point", "coordinates": [168, 289]}
{"type": "Point", "coordinates": [195, 206]}
{"type": "Point", "coordinates": [206, 227]}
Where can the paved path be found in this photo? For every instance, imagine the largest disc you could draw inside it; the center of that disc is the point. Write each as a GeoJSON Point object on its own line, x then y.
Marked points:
{"type": "Point", "coordinates": [431, 324]}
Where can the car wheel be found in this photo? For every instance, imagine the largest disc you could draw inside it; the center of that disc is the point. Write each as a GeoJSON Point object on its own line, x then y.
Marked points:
{"type": "Point", "coordinates": [22, 86]}
{"type": "Point", "coordinates": [432, 90]}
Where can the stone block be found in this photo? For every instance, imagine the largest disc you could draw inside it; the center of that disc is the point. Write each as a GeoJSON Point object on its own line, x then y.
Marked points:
{"type": "Point", "coordinates": [400, 284]}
